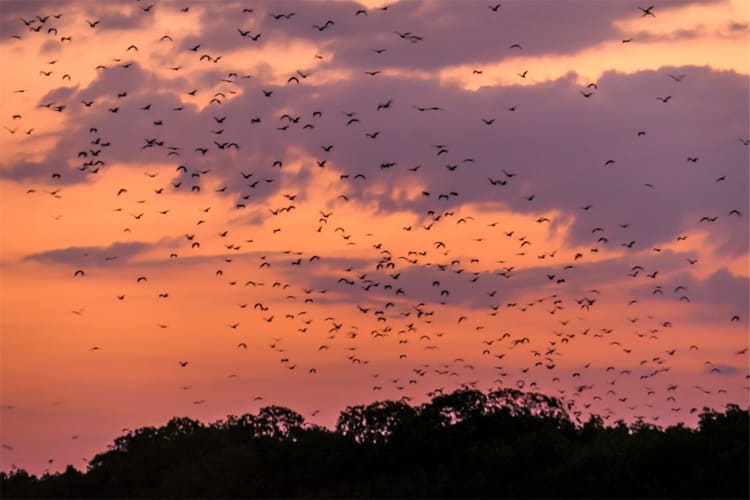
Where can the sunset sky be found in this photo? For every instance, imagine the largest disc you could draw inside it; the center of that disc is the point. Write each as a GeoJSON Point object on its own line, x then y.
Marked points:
{"type": "Point", "coordinates": [415, 196]}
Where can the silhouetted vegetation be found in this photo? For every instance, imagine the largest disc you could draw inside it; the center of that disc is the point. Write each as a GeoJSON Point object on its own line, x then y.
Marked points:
{"type": "Point", "coordinates": [465, 444]}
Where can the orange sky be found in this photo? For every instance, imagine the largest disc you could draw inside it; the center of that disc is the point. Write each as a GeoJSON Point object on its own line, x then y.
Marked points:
{"type": "Point", "coordinates": [80, 364]}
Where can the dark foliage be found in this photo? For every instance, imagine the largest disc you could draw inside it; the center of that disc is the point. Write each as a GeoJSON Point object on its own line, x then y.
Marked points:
{"type": "Point", "coordinates": [464, 444]}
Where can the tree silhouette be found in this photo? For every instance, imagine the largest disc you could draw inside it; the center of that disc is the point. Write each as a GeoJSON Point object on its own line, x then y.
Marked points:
{"type": "Point", "coordinates": [506, 443]}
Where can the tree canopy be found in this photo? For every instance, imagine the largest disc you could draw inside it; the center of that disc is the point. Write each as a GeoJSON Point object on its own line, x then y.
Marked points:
{"type": "Point", "coordinates": [506, 443]}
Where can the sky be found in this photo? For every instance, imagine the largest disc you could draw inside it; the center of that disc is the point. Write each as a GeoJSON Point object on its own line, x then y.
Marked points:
{"type": "Point", "coordinates": [211, 207]}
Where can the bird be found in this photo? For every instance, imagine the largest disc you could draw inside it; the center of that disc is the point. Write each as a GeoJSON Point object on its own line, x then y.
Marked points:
{"type": "Point", "coordinates": [384, 105]}
{"type": "Point", "coordinates": [324, 26]}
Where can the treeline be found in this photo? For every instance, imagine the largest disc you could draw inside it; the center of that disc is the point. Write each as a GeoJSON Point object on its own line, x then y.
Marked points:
{"type": "Point", "coordinates": [464, 444]}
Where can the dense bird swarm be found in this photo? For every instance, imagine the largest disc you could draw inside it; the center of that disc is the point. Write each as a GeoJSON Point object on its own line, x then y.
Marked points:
{"type": "Point", "coordinates": [400, 213]}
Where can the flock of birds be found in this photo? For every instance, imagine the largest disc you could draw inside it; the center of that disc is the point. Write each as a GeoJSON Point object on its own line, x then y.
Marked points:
{"type": "Point", "coordinates": [461, 292]}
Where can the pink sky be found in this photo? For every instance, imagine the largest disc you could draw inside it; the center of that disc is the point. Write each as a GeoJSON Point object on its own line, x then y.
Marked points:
{"type": "Point", "coordinates": [396, 248]}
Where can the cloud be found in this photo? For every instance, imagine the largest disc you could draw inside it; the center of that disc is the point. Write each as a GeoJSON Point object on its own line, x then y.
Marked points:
{"type": "Point", "coordinates": [721, 294]}
{"type": "Point", "coordinates": [722, 370]}
{"type": "Point", "coordinates": [451, 281]}
{"type": "Point", "coordinates": [556, 144]}
{"type": "Point", "coordinates": [482, 36]}
{"type": "Point", "coordinates": [92, 255]}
